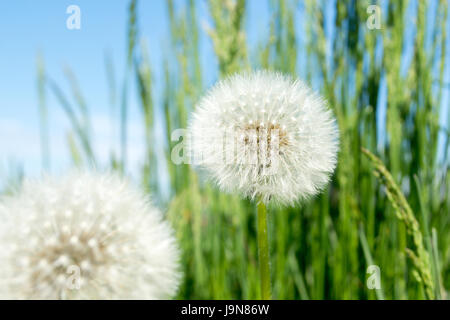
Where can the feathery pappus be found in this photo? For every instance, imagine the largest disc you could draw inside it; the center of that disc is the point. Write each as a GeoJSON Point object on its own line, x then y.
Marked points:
{"type": "Point", "coordinates": [265, 135]}
{"type": "Point", "coordinates": [85, 236]}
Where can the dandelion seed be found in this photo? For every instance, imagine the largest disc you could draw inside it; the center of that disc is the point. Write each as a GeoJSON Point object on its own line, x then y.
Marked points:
{"type": "Point", "coordinates": [303, 160]}
{"type": "Point", "coordinates": [109, 231]}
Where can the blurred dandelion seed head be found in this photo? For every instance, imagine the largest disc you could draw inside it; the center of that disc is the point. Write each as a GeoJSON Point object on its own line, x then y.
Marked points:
{"type": "Point", "coordinates": [266, 136]}
{"type": "Point", "coordinates": [97, 223]}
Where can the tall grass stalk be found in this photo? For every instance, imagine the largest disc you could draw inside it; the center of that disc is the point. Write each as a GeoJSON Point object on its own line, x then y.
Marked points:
{"type": "Point", "coordinates": [420, 256]}
{"type": "Point", "coordinates": [263, 252]}
{"type": "Point", "coordinates": [43, 113]}
{"type": "Point", "coordinates": [131, 40]}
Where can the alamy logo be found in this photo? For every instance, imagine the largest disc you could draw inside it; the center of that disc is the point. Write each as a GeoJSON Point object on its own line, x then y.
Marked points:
{"type": "Point", "coordinates": [73, 281]}
{"type": "Point", "coordinates": [374, 280]}
{"type": "Point", "coordinates": [74, 20]}
{"type": "Point", "coordinates": [374, 20]}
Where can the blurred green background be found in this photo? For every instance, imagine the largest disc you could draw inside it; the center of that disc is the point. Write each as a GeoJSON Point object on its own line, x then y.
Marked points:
{"type": "Point", "coordinates": [388, 88]}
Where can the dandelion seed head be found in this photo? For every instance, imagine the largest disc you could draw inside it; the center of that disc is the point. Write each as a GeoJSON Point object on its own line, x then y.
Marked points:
{"type": "Point", "coordinates": [98, 223]}
{"type": "Point", "coordinates": [281, 147]}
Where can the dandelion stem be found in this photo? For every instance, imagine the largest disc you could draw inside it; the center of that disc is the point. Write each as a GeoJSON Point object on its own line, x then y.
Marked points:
{"type": "Point", "coordinates": [263, 252]}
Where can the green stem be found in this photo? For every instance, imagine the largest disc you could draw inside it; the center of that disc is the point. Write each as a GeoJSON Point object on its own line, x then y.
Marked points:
{"type": "Point", "coordinates": [263, 252]}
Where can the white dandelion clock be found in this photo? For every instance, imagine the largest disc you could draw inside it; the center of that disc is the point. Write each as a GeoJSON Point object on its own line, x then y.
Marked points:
{"type": "Point", "coordinates": [85, 236]}
{"type": "Point", "coordinates": [266, 136]}
{"type": "Point", "coordinates": [270, 138]}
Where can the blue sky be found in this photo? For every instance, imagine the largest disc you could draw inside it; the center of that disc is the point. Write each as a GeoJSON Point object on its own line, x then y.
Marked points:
{"type": "Point", "coordinates": [29, 26]}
